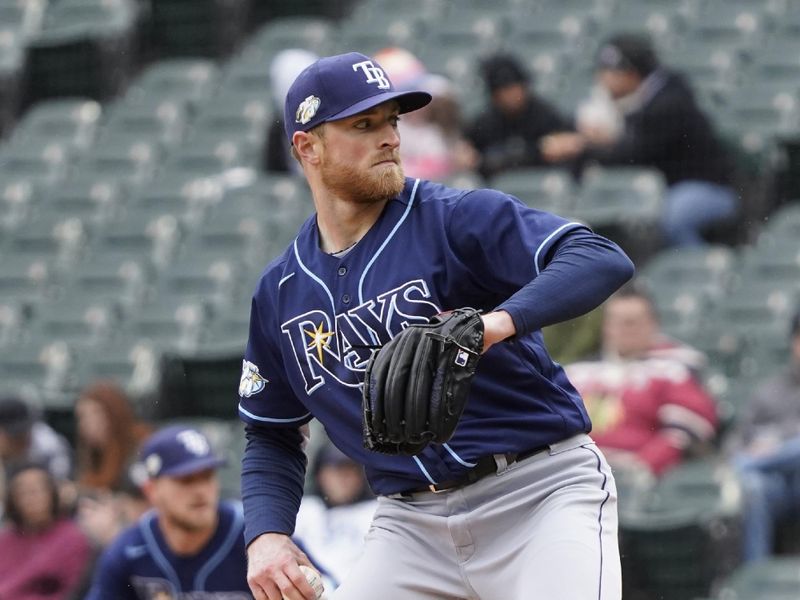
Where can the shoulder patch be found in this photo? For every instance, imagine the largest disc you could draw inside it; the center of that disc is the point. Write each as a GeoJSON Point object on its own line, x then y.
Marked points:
{"type": "Point", "coordinates": [251, 382]}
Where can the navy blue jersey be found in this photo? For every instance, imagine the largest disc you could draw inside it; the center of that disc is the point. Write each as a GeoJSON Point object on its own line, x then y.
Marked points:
{"type": "Point", "coordinates": [314, 317]}
{"type": "Point", "coordinates": [139, 565]}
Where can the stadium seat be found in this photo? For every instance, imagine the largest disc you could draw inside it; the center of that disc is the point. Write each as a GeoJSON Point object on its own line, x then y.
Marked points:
{"type": "Point", "coordinates": [18, 199]}
{"type": "Point", "coordinates": [709, 268]}
{"type": "Point", "coordinates": [778, 62]}
{"type": "Point", "coordinates": [552, 190]}
{"type": "Point", "coordinates": [24, 16]}
{"type": "Point", "coordinates": [14, 315]}
{"type": "Point", "coordinates": [12, 73]}
{"type": "Point", "coordinates": [244, 236]}
{"type": "Point", "coordinates": [774, 578]}
{"type": "Point", "coordinates": [168, 323]}
{"type": "Point", "coordinates": [627, 197]}
{"type": "Point", "coordinates": [368, 35]}
{"type": "Point", "coordinates": [72, 120]}
{"type": "Point", "coordinates": [186, 195]}
{"type": "Point", "coordinates": [726, 26]}
{"type": "Point", "coordinates": [163, 119]}
{"type": "Point", "coordinates": [24, 278]}
{"type": "Point", "coordinates": [132, 160]}
{"type": "Point", "coordinates": [243, 116]}
{"type": "Point", "coordinates": [206, 276]}
{"type": "Point", "coordinates": [211, 28]}
{"type": "Point", "coordinates": [75, 319]}
{"type": "Point", "coordinates": [42, 367]}
{"type": "Point", "coordinates": [228, 330]}
{"type": "Point", "coordinates": [149, 235]}
{"type": "Point", "coordinates": [784, 223]}
{"type": "Point", "coordinates": [188, 80]}
{"type": "Point", "coordinates": [46, 161]}
{"type": "Point", "coordinates": [92, 198]}
{"type": "Point", "coordinates": [84, 48]}
{"type": "Point", "coordinates": [686, 536]}
{"type": "Point", "coordinates": [703, 60]}
{"type": "Point", "coordinates": [112, 276]}
{"type": "Point", "coordinates": [312, 33]}
{"type": "Point", "coordinates": [58, 238]}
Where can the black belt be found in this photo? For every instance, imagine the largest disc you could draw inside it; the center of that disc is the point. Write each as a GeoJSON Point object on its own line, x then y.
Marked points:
{"type": "Point", "coordinates": [485, 465]}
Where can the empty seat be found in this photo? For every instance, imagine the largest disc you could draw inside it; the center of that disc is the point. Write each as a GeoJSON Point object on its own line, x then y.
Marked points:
{"type": "Point", "coordinates": [187, 195]}
{"type": "Point", "coordinates": [311, 33]}
{"type": "Point", "coordinates": [621, 196]}
{"type": "Point", "coordinates": [187, 80]}
{"type": "Point", "coordinates": [162, 118]}
{"type": "Point", "coordinates": [25, 278]}
{"type": "Point", "coordinates": [44, 365]}
{"type": "Point", "coordinates": [220, 154]}
{"type": "Point", "coordinates": [14, 315]}
{"type": "Point", "coordinates": [94, 199]}
{"type": "Point", "coordinates": [133, 161]}
{"type": "Point", "coordinates": [75, 318]}
{"type": "Point", "coordinates": [72, 120]}
{"type": "Point", "coordinates": [775, 578]}
{"type": "Point", "coordinates": [111, 276]}
{"type": "Point", "coordinates": [208, 276]}
{"type": "Point", "coordinates": [243, 116]}
{"type": "Point", "coordinates": [149, 235]}
{"type": "Point", "coordinates": [551, 190]}
{"type": "Point", "coordinates": [169, 323]}
{"type": "Point", "coordinates": [54, 237]}
{"type": "Point", "coordinates": [132, 362]}
{"type": "Point", "coordinates": [18, 199]}
{"type": "Point", "coordinates": [709, 268]}
{"type": "Point", "coordinates": [47, 161]}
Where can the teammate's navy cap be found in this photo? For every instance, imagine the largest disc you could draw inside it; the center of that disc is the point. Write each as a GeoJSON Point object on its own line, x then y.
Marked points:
{"type": "Point", "coordinates": [177, 451]}
{"type": "Point", "coordinates": [341, 86]}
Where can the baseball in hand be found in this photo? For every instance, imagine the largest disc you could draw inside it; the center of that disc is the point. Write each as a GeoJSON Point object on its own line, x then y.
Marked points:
{"type": "Point", "coordinates": [314, 580]}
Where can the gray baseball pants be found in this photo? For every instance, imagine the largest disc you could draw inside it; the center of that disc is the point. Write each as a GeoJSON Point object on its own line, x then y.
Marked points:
{"type": "Point", "coordinates": [544, 528]}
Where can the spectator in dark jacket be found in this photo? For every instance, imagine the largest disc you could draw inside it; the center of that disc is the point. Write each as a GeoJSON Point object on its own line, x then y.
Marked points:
{"type": "Point", "coordinates": [663, 128]}
{"type": "Point", "coordinates": [507, 133]}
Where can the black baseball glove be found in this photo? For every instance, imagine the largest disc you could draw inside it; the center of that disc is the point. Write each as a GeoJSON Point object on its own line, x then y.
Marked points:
{"type": "Point", "coordinates": [416, 386]}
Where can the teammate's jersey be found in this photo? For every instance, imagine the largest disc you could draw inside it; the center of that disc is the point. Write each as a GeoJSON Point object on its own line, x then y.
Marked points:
{"type": "Point", "coordinates": [315, 316]}
{"type": "Point", "coordinates": [139, 565]}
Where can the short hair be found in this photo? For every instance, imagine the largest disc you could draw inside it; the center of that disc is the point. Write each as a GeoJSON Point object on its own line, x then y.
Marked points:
{"type": "Point", "coordinates": [637, 289]}
{"type": "Point", "coordinates": [12, 509]}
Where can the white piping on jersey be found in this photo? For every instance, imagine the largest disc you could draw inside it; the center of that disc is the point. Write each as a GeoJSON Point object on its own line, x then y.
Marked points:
{"type": "Point", "coordinates": [158, 555]}
{"type": "Point", "coordinates": [547, 239]}
{"type": "Point", "coordinates": [213, 562]}
{"type": "Point", "coordinates": [457, 457]}
{"type": "Point", "coordinates": [315, 278]}
{"type": "Point", "coordinates": [422, 467]}
{"type": "Point", "coordinates": [386, 241]}
{"type": "Point", "coordinates": [285, 279]}
{"type": "Point", "coordinates": [269, 419]}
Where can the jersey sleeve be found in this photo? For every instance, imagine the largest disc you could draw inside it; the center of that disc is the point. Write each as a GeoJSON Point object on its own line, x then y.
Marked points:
{"type": "Point", "coordinates": [504, 242]}
{"type": "Point", "coordinates": [265, 397]}
{"type": "Point", "coordinates": [110, 578]}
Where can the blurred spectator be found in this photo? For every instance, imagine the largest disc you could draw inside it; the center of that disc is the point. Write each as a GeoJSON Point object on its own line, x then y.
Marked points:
{"type": "Point", "coordinates": [663, 128]}
{"type": "Point", "coordinates": [766, 450]}
{"type": "Point", "coordinates": [42, 555]}
{"type": "Point", "coordinates": [25, 437]}
{"type": "Point", "coordinates": [283, 70]}
{"type": "Point", "coordinates": [191, 544]}
{"type": "Point", "coordinates": [508, 132]}
{"type": "Point", "coordinates": [333, 522]}
{"type": "Point", "coordinates": [433, 146]}
{"type": "Point", "coordinates": [647, 407]}
{"type": "Point", "coordinates": [107, 436]}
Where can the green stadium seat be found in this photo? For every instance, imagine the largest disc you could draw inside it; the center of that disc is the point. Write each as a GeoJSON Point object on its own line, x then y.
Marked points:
{"type": "Point", "coordinates": [549, 189]}
{"type": "Point", "coordinates": [112, 276]}
{"type": "Point", "coordinates": [169, 323]}
{"type": "Point", "coordinates": [59, 238]}
{"type": "Point", "coordinates": [626, 197]}
{"type": "Point", "coordinates": [775, 578]}
{"type": "Point", "coordinates": [93, 199]}
{"type": "Point", "coordinates": [12, 72]}
{"type": "Point", "coordinates": [557, 27]}
{"type": "Point", "coordinates": [18, 199]}
{"type": "Point", "coordinates": [73, 120]}
{"type": "Point", "coordinates": [778, 62]}
{"type": "Point", "coordinates": [42, 366]}
{"type": "Point", "coordinates": [312, 33]}
{"type": "Point", "coordinates": [132, 161]}
{"type": "Point", "coordinates": [380, 30]}
{"type": "Point", "coordinates": [24, 16]}
{"type": "Point", "coordinates": [207, 276]}
{"type": "Point", "coordinates": [75, 319]}
{"type": "Point", "coordinates": [26, 279]}
{"type": "Point", "coordinates": [662, 23]}
{"type": "Point", "coordinates": [211, 28]}
{"type": "Point", "coordinates": [685, 537]}
{"type": "Point", "coordinates": [246, 117]}
{"type": "Point", "coordinates": [84, 48]}
{"type": "Point", "coordinates": [187, 195]}
{"type": "Point", "coordinates": [483, 31]}
{"type": "Point", "coordinates": [726, 26]}
{"type": "Point", "coordinates": [709, 268]}
{"type": "Point", "coordinates": [165, 119]}
{"type": "Point", "coordinates": [14, 316]}
{"type": "Point", "coordinates": [245, 236]}
{"type": "Point", "coordinates": [773, 262]}
{"type": "Point", "coordinates": [784, 223]}
{"type": "Point", "coordinates": [228, 331]}
{"type": "Point", "coordinates": [132, 362]}
{"type": "Point", "coordinates": [703, 60]}
{"type": "Point", "coordinates": [218, 154]}
{"type": "Point", "coordinates": [48, 161]}
{"type": "Point", "coordinates": [724, 346]}
{"type": "Point", "coordinates": [189, 80]}
{"type": "Point", "coordinates": [149, 235]}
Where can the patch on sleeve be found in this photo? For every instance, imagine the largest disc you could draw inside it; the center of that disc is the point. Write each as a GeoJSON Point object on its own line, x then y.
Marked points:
{"type": "Point", "coordinates": [251, 382]}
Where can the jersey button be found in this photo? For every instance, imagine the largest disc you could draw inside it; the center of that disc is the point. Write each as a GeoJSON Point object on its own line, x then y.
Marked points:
{"type": "Point", "coordinates": [342, 271]}
{"type": "Point", "coordinates": [346, 298]}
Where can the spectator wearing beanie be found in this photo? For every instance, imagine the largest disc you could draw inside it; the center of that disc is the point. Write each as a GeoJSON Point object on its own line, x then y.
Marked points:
{"type": "Point", "coordinates": [507, 132]}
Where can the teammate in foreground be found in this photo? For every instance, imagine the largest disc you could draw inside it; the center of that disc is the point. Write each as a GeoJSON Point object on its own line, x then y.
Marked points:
{"type": "Point", "coordinates": [519, 502]}
{"type": "Point", "coordinates": [190, 545]}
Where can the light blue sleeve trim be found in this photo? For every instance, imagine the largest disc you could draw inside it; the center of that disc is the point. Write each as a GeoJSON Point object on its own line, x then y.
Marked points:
{"type": "Point", "coordinates": [550, 237]}
{"type": "Point", "coordinates": [315, 278]}
{"type": "Point", "coordinates": [424, 470]}
{"type": "Point", "coordinates": [457, 457]}
{"type": "Point", "coordinates": [250, 415]}
{"type": "Point", "coordinates": [385, 242]}
{"type": "Point", "coordinates": [158, 555]}
{"type": "Point", "coordinates": [285, 279]}
{"type": "Point", "coordinates": [236, 530]}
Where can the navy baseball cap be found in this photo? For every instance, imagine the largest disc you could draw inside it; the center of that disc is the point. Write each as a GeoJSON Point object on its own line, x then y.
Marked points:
{"type": "Point", "coordinates": [177, 451]}
{"type": "Point", "coordinates": [341, 86]}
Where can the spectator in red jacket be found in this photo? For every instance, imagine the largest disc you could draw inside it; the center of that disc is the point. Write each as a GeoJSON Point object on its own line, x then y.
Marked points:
{"type": "Point", "coordinates": [42, 555]}
{"type": "Point", "coordinates": [647, 406]}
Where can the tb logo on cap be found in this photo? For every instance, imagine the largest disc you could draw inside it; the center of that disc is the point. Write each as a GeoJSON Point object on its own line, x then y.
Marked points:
{"type": "Point", "coordinates": [373, 74]}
